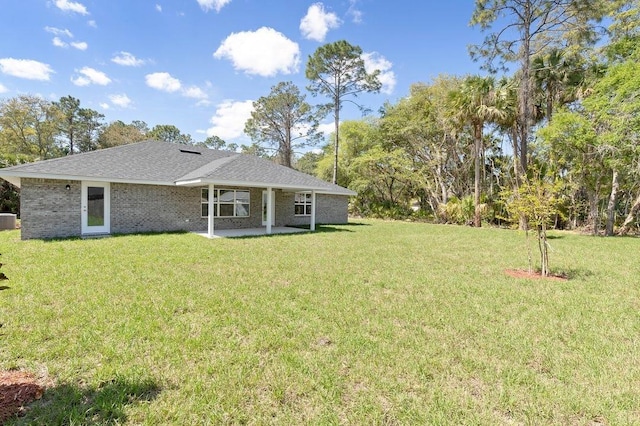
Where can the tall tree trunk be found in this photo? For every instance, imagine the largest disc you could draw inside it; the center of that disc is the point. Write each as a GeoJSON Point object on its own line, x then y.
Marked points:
{"type": "Point", "coordinates": [477, 220]}
{"type": "Point", "coordinates": [517, 174]}
{"type": "Point", "coordinates": [336, 115]}
{"type": "Point", "coordinates": [593, 212]}
{"type": "Point", "coordinates": [71, 141]}
{"type": "Point", "coordinates": [631, 217]}
{"type": "Point", "coordinates": [516, 157]}
{"type": "Point", "coordinates": [611, 206]}
{"type": "Point", "coordinates": [286, 149]}
{"type": "Point", "coordinates": [441, 185]}
{"type": "Point", "coordinates": [550, 96]}
{"type": "Point", "coordinates": [525, 84]}
{"type": "Point", "coordinates": [574, 211]}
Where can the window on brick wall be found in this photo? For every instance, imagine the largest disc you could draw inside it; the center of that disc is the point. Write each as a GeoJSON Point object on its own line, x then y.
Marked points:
{"type": "Point", "coordinates": [302, 204]}
{"type": "Point", "coordinates": [226, 202]}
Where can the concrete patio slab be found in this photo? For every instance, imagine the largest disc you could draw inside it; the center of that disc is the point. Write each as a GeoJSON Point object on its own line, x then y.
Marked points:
{"type": "Point", "coordinates": [252, 232]}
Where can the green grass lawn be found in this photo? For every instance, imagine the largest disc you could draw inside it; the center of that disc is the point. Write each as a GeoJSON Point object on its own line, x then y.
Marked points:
{"type": "Point", "coordinates": [370, 323]}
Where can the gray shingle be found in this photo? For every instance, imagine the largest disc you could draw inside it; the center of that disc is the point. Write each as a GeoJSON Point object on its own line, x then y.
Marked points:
{"type": "Point", "coordinates": [168, 163]}
{"type": "Point", "coordinates": [258, 171]}
{"type": "Point", "coordinates": [150, 161]}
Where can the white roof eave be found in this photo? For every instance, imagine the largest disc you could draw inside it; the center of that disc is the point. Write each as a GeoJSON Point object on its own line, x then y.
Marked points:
{"type": "Point", "coordinates": [319, 190]}
{"type": "Point", "coordinates": [11, 176]}
{"type": "Point", "coordinates": [15, 179]}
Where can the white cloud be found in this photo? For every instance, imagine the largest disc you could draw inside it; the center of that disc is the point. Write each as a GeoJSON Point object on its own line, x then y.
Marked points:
{"type": "Point", "coordinates": [194, 92]}
{"type": "Point", "coordinates": [121, 100]}
{"type": "Point", "coordinates": [264, 52]}
{"type": "Point", "coordinates": [207, 5]}
{"type": "Point", "coordinates": [90, 76]}
{"type": "Point", "coordinates": [127, 59]}
{"type": "Point", "coordinates": [58, 31]}
{"type": "Point", "coordinates": [3, 89]}
{"type": "Point", "coordinates": [26, 68]}
{"type": "Point", "coordinates": [316, 23]}
{"type": "Point", "coordinates": [80, 45]}
{"type": "Point", "coordinates": [354, 12]}
{"type": "Point", "coordinates": [374, 61]}
{"type": "Point", "coordinates": [163, 81]}
{"type": "Point", "coordinates": [71, 6]}
{"type": "Point", "coordinates": [104, 105]}
{"type": "Point", "coordinates": [229, 119]}
{"type": "Point", "coordinates": [158, 8]}
{"type": "Point", "coordinates": [92, 23]}
{"type": "Point", "coordinates": [59, 43]}
{"type": "Point", "coordinates": [327, 128]}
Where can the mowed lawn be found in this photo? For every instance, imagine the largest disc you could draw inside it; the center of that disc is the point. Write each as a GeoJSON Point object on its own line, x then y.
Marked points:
{"type": "Point", "coordinates": [370, 323]}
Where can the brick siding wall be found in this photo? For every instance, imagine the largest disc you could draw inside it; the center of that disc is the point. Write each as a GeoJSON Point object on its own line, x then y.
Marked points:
{"type": "Point", "coordinates": [329, 209]}
{"type": "Point", "coordinates": [51, 211]}
{"type": "Point", "coordinates": [154, 208]}
{"type": "Point", "coordinates": [48, 209]}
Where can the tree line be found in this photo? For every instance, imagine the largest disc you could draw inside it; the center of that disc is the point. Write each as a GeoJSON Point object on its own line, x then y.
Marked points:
{"type": "Point", "coordinates": [550, 130]}
{"type": "Point", "coordinates": [32, 128]}
{"type": "Point", "coordinates": [554, 142]}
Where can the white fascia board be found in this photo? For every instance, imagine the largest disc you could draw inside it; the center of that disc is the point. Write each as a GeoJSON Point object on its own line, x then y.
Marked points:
{"type": "Point", "coordinates": [293, 188]}
{"type": "Point", "coordinates": [14, 180]}
{"type": "Point", "coordinates": [196, 182]}
{"type": "Point", "coordinates": [324, 191]}
{"type": "Point", "coordinates": [22, 175]}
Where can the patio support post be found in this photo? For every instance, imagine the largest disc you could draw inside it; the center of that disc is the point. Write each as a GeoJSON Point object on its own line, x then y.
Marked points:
{"type": "Point", "coordinates": [210, 212]}
{"type": "Point", "coordinates": [313, 210]}
{"type": "Point", "coordinates": [269, 207]}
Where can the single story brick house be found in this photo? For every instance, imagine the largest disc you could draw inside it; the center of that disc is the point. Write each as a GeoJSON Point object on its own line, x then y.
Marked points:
{"type": "Point", "coordinates": [156, 186]}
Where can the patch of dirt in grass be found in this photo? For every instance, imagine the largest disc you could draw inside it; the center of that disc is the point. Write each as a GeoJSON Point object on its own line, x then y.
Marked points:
{"type": "Point", "coordinates": [17, 389]}
{"type": "Point", "coordinates": [521, 273]}
{"type": "Point", "coordinates": [324, 341]}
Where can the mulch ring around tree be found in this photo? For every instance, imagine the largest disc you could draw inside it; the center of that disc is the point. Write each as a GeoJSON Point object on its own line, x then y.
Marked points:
{"type": "Point", "coordinates": [520, 273]}
{"type": "Point", "coordinates": [17, 390]}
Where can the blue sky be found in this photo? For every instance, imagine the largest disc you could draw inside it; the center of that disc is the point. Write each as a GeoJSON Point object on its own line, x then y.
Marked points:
{"type": "Point", "coordinates": [198, 64]}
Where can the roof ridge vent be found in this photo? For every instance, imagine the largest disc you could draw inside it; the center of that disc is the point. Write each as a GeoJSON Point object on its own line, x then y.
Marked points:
{"type": "Point", "coordinates": [188, 151]}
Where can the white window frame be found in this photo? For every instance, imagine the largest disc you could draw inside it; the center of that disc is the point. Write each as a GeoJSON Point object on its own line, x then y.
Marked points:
{"type": "Point", "coordinates": [204, 201]}
{"type": "Point", "coordinates": [307, 203]}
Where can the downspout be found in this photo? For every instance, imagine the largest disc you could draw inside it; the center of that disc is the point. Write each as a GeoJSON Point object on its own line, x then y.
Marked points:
{"type": "Point", "coordinates": [269, 207]}
{"type": "Point", "coordinates": [210, 212]}
{"type": "Point", "coordinates": [313, 211]}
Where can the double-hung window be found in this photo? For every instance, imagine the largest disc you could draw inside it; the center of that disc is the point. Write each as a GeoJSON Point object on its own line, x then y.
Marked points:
{"type": "Point", "coordinates": [226, 202]}
{"type": "Point", "coordinates": [302, 204]}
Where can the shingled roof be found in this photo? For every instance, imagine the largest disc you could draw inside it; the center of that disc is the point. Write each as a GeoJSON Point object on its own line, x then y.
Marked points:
{"type": "Point", "coordinates": [164, 163]}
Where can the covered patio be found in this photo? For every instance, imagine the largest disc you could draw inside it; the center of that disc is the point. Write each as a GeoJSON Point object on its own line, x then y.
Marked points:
{"type": "Point", "coordinates": [252, 232]}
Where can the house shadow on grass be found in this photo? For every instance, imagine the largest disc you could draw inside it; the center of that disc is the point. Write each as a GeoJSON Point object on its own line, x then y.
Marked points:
{"type": "Point", "coordinates": [320, 229]}
{"type": "Point", "coordinates": [105, 404]}
{"type": "Point", "coordinates": [114, 235]}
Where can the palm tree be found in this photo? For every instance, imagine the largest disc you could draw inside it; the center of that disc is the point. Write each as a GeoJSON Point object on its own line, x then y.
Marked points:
{"type": "Point", "coordinates": [557, 78]}
{"type": "Point", "coordinates": [474, 104]}
{"type": "Point", "coordinates": [506, 97]}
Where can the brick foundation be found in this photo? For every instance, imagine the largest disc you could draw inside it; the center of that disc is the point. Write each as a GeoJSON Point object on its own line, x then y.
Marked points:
{"type": "Point", "coordinates": [49, 210]}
